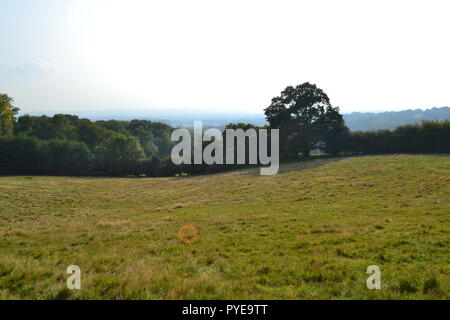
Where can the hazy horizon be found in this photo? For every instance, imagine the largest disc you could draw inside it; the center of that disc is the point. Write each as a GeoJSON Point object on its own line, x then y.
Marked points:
{"type": "Point", "coordinates": [179, 112]}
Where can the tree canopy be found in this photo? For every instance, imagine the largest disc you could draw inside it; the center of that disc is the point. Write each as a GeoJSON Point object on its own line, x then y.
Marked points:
{"type": "Point", "coordinates": [7, 114]}
{"type": "Point", "coordinates": [305, 118]}
{"type": "Point", "coordinates": [67, 145]}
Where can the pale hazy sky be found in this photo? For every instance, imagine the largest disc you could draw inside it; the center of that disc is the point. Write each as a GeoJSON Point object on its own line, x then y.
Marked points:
{"type": "Point", "coordinates": [223, 55]}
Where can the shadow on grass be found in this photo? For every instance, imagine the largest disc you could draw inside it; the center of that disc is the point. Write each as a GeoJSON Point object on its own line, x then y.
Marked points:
{"type": "Point", "coordinates": [307, 163]}
{"type": "Point", "coordinates": [312, 162]}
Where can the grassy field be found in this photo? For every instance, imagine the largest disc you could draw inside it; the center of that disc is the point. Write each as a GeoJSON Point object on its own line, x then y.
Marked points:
{"type": "Point", "coordinates": [309, 232]}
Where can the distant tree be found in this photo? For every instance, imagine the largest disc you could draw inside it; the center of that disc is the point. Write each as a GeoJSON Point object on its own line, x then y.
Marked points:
{"type": "Point", "coordinates": [168, 169]}
{"type": "Point", "coordinates": [69, 157]}
{"type": "Point", "coordinates": [153, 166]}
{"type": "Point", "coordinates": [246, 128]}
{"type": "Point", "coordinates": [114, 125]}
{"type": "Point", "coordinates": [154, 137]}
{"type": "Point", "coordinates": [7, 114]}
{"type": "Point", "coordinates": [23, 155]}
{"type": "Point", "coordinates": [119, 155]}
{"type": "Point", "coordinates": [60, 126]}
{"type": "Point", "coordinates": [336, 134]}
{"type": "Point", "coordinates": [304, 116]}
{"type": "Point", "coordinates": [25, 125]}
{"type": "Point", "coordinates": [93, 134]}
{"type": "Point", "coordinates": [63, 126]}
{"type": "Point", "coordinates": [162, 133]}
{"type": "Point", "coordinates": [142, 129]}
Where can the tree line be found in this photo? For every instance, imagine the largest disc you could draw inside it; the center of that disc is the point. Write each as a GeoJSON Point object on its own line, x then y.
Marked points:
{"type": "Point", "coordinates": [307, 121]}
{"type": "Point", "coordinates": [427, 137]}
{"type": "Point", "coordinates": [67, 145]}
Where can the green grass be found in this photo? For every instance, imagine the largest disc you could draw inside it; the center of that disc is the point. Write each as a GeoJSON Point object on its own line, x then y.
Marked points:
{"type": "Point", "coordinates": [309, 232]}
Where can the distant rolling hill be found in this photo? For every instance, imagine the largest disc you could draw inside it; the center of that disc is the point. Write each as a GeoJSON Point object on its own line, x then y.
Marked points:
{"type": "Point", "coordinates": [356, 121]}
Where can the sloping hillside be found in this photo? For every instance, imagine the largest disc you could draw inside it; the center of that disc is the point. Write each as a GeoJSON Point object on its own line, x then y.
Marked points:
{"type": "Point", "coordinates": [368, 121]}
{"type": "Point", "coordinates": [309, 232]}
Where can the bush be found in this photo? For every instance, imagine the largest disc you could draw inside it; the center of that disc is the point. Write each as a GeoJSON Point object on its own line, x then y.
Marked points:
{"type": "Point", "coordinates": [119, 155]}
{"type": "Point", "coordinates": [23, 155]}
{"type": "Point", "coordinates": [431, 284]}
{"type": "Point", "coordinates": [30, 155]}
{"type": "Point", "coordinates": [406, 286]}
{"type": "Point", "coordinates": [69, 157]}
